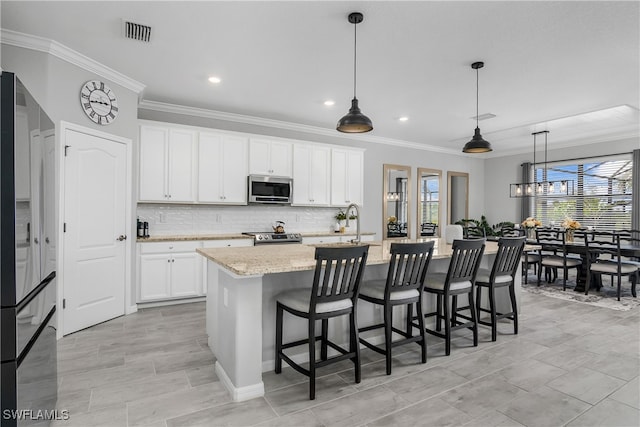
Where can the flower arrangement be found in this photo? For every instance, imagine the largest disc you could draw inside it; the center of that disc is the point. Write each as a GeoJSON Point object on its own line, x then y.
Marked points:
{"type": "Point", "coordinates": [392, 220]}
{"type": "Point", "coordinates": [341, 216]}
{"type": "Point", "coordinates": [571, 224]}
{"type": "Point", "coordinates": [531, 222]}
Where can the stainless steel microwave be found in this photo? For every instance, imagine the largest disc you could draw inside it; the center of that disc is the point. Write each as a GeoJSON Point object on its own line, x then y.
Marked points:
{"type": "Point", "coordinates": [270, 189]}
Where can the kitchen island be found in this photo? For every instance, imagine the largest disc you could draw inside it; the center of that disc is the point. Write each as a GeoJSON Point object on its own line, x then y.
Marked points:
{"type": "Point", "coordinates": [240, 313]}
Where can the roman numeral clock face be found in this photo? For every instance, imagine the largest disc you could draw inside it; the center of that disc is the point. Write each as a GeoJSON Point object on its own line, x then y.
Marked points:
{"type": "Point", "coordinates": [99, 102]}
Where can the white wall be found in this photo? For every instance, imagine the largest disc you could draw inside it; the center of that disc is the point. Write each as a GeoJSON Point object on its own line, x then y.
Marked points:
{"type": "Point", "coordinates": [56, 85]}
{"type": "Point", "coordinates": [502, 171]}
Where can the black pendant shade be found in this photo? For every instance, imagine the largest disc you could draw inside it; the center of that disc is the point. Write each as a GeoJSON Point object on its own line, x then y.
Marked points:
{"type": "Point", "coordinates": [354, 121]}
{"type": "Point", "coordinates": [477, 143]}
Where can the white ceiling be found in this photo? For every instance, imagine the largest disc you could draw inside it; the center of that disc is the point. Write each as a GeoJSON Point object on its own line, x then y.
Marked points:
{"type": "Point", "coordinates": [281, 60]}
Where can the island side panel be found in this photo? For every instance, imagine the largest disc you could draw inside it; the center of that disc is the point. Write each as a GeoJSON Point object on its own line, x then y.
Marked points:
{"type": "Point", "coordinates": [234, 315]}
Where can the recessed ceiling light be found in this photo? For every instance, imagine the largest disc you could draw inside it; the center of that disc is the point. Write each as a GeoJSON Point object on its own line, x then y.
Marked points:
{"type": "Point", "coordinates": [403, 118]}
{"type": "Point", "coordinates": [214, 79]}
{"type": "Point", "coordinates": [329, 103]}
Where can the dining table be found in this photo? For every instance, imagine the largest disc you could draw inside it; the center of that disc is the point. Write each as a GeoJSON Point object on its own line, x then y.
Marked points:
{"type": "Point", "coordinates": [578, 247]}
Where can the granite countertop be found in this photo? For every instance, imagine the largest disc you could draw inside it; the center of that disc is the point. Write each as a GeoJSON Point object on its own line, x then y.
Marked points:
{"type": "Point", "coordinates": [186, 237]}
{"type": "Point", "coordinates": [262, 259]}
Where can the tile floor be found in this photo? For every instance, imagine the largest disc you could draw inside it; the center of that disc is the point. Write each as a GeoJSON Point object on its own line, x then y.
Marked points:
{"type": "Point", "coordinates": [571, 364]}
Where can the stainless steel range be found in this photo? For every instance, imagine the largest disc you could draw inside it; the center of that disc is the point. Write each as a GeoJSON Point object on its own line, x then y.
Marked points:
{"type": "Point", "coordinates": [260, 238]}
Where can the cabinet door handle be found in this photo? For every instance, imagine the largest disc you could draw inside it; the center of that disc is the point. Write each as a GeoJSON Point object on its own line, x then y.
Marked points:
{"type": "Point", "coordinates": [121, 237]}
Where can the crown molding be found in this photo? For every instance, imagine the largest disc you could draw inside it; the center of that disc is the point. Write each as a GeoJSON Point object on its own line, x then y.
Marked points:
{"type": "Point", "coordinates": [278, 124]}
{"type": "Point", "coordinates": [52, 47]}
{"type": "Point", "coordinates": [629, 133]}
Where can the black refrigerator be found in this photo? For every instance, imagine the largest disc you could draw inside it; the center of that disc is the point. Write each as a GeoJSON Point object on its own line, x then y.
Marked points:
{"type": "Point", "coordinates": [28, 390]}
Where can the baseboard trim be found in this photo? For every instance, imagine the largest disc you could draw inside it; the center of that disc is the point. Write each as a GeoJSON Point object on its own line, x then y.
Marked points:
{"type": "Point", "coordinates": [239, 394]}
{"type": "Point", "coordinates": [142, 305]}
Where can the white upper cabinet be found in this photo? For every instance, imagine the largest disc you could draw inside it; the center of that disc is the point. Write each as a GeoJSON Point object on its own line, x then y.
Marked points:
{"type": "Point", "coordinates": [347, 167]}
{"type": "Point", "coordinates": [167, 164]}
{"type": "Point", "coordinates": [311, 175]}
{"type": "Point", "coordinates": [199, 165]}
{"type": "Point", "coordinates": [222, 169]}
{"type": "Point", "coordinates": [268, 157]}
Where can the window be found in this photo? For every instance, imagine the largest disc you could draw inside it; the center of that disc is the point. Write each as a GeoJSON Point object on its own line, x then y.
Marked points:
{"type": "Point", "coordinates": [430, 199]}
{"type": "Point", "coordinates": [601, 196]}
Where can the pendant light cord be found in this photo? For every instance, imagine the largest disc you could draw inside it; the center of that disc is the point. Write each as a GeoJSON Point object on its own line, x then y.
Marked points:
{"type": "Point", "coordinates": [546, 177]}
{"type": "Point", "coordinates": [355, 52]}
{"type": "Point", "coordinates": [477, 93]}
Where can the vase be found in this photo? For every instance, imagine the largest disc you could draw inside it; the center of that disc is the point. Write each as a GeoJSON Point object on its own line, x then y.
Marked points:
{"type": "Point", "coordinates": [569, 235]}
{"type": "Point", "coordinates": [531, 233]}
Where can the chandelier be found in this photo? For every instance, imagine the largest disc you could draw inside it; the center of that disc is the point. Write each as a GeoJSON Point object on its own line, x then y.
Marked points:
{"type": "Point", "coordinates": [545, 187]}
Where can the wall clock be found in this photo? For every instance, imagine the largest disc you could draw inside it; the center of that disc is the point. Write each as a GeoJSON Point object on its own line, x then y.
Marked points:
{"type": "Point", "coordinates": [99, 102]}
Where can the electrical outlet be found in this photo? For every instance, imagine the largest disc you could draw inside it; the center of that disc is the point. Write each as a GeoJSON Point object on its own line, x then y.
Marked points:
{"type": "Point", "coordinates": [297, 218]}
{"type": "Point", "coordinates": [163, 217]}
{"type": "Point", "coordinates": [218, 217]}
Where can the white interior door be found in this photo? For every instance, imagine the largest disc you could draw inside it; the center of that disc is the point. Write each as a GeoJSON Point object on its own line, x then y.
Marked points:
{"type": "Point", "coordinates": [94, 234]}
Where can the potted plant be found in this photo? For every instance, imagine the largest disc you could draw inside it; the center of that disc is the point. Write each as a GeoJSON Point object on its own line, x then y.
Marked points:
{"type": "Point", "coordinates": [341, 218]}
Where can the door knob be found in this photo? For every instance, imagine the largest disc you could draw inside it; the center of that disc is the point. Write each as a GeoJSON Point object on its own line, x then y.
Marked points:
{"type": "Point", "coordinates": [122, 237]}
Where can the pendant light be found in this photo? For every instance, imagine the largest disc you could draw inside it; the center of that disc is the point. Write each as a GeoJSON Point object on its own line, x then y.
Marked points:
{"type": "Point", "coordinates": [354, 121]}
{"type": "Point", "coordinates": [477, 143]}
{"type": "Point", "coordinates": [545, 187]}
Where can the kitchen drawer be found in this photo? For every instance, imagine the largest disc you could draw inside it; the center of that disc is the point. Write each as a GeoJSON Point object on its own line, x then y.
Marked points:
{"type": "Point", "coordinates": [165, 247]}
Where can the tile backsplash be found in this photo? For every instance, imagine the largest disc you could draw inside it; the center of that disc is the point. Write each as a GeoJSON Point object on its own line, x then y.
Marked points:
{"type": "Point", "coordinates": [167, 219]}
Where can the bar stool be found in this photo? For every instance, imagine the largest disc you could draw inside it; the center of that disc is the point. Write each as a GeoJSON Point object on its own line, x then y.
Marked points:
{"type": "Point", "coordinates": [403, 286]}
{"type": "Point", "coordinates": [501, 275]}
{"type": "Point", "coordinates": [334, 292]}
{"type": "Point", "coordinates": [459, 280]}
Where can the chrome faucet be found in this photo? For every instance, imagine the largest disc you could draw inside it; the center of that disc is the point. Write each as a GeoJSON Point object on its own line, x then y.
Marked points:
{"type": "Point", "coordinates": [353, 205]}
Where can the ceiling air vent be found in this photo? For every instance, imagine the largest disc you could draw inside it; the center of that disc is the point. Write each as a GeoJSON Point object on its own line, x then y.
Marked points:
{"type": "Point", "coordinates": [135, 31]}
{"type": "Point", "coordinates": [483, 116]}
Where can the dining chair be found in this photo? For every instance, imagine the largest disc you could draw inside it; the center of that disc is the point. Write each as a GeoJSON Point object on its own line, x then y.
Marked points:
{"type": "Point", "coordinates": [428, 229]}
{"type": "Point", "coordinates": [604, 257]}
{"type": "Point", "coordinates": [554, 255]}
{"type": "Point", "coordinates": [474, 232]}
{"type": "Point", "coordinates": [403, 286]}
{"type": "Point", "coordinates": [394, 230]}
{"type": "Point", "coordinates": [631, 238]}
{"type": "Point", "coordinates": [502, 274]}
{"type": "Point", "coordinates": [334, 293]}
{"type": "Point", "coordinates": [459, 280]}
{"type": "Point", "coordinates": [509, 230]}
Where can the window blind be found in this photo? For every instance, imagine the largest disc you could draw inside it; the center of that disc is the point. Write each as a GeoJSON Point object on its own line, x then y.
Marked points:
{"type": "Point", "coordinates": [601, 196]}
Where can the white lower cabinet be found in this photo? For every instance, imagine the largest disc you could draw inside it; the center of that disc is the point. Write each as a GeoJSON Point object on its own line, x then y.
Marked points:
{"type": "Point", "coordinates": [169, 270]}
{"type": "Point", "coordinates": [173, 270]}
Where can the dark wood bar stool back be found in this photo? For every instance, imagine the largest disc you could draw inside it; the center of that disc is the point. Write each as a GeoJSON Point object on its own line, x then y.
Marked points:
{"type": "Point", "coordinates": [502, 274]}
{"type": "Point", "coordinates": [334, 292]}
{"type": "Point", "coordinates": [403, 286]}
{"type": "Point", "coordinates": [459, 280]}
